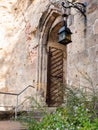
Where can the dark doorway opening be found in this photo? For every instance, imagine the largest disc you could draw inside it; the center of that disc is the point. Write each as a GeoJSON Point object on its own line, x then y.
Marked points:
{"type": "Point", "coordinates": [54, 95]}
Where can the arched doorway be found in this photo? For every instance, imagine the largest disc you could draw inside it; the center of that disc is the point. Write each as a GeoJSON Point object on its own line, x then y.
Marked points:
{"type": "Point", "coordinates": [52, 58]}
{"type": "Point", "coordinates": [56, 66]}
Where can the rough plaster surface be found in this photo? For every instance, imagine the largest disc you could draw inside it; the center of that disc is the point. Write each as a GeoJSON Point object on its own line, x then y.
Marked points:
{"type": "Point", "coordinates": [19, 46]}
{"type": "Point", "coordinates": [82, 53]}
{"type": "Point", "coordinates": [18, 51]}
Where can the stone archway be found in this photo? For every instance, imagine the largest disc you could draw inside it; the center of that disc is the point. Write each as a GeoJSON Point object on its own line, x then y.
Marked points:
{"type": "Point", "coordinates": [48, 27]}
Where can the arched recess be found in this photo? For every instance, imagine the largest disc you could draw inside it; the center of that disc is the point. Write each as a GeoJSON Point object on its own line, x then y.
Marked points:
{"type": "Point", "coordinates": [49, 25]}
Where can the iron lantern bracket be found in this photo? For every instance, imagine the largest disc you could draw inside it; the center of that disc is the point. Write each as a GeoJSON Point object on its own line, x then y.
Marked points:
{"type": "Point", "coordinates": [77, 5]}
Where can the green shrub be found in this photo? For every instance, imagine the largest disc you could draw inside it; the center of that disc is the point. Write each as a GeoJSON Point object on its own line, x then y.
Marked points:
{"type": "Point", "coordinates": [78, 112]}
{"type": "Point", "coordinates": [61, 119]}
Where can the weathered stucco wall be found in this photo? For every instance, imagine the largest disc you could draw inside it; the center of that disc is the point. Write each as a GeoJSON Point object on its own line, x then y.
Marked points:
{"type": "Point", "coordinates": [23, 46]}
{"type": "Point", "coordinates": [18, 46]}
{"type": "Point", "coordinates": [26, 13]}
{"type": "Point", "coordinates": [83, 52]}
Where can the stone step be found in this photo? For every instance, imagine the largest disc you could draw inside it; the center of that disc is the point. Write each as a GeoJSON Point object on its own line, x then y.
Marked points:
{"type": "Point", "coordinates": [15, 125]}
{"type": "Point", "coordinates": [37, 114]}
{"type": "Point", "coordinates": [11, 125]}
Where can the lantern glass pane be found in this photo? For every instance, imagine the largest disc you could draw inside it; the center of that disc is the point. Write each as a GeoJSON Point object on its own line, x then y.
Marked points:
{"type": "Point", "coordinates": [61, 36]}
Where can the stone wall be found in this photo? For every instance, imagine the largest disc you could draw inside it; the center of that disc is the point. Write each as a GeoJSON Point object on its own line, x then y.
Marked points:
{"type": "Point", "coordinates": [82, 53]}
{"type": "Point", "coordinates": [24, 29]}
{"type": "Point", "coordinates": [19, 47]}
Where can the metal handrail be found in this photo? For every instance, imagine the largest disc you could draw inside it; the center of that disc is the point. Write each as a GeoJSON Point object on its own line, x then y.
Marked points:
{"type": "Point", "coordinates": [17, 94]}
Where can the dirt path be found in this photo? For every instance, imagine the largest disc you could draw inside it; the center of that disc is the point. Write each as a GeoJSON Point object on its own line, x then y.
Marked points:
{"type": "Point", "coordinates": [10, 125]}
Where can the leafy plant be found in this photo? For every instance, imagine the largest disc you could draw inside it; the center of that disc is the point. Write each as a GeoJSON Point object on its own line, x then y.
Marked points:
{"type": "Point", "coordinates": [78, 112]}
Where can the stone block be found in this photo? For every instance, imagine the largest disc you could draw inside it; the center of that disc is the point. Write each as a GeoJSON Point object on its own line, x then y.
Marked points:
{"type": "Point", "coordinates": [70, 20]}
{"type": "Point", "coordinates": [92, 54]}
{"type": "Point", "coordinates": [88, 1]}
{"type": "Point", "coordinates": [95, 27]}
{"type": "Point", "coordinates": [73, 59]}
{"type": "Point", "coordinates": [93, 5]}
{"type": "Point", "coordinates": [85, 84]}
{"type": "Point", "coordinates": [72, 73]}
{"type": "Point", "coordinates": [84, 58]}
{"type": "Point", "coordinates": [92, 67]}
{"type": "Point", "coordinates": [91, 18]}
{"type": "Point", "coordinates": [94, 77]}
{"type": "Point", "coordinates": [91, 40]}
{"type": "Point", "coordinates": [96, 50]}
{"type": "Point", "coordinates": [97, 65]}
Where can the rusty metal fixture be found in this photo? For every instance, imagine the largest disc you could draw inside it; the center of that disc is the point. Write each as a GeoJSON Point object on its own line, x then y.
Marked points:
{"type": "Point", "coordinates": [77, 5]}
{"type": "Point", "coordinates": [64, 34]}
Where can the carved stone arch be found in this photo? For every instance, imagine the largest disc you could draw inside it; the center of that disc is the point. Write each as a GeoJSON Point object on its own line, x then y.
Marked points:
{"type": "Point", "coordinates": [50, 20]}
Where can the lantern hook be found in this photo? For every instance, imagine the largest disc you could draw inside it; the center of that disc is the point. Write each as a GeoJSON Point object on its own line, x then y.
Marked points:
{"type": "Point", "coordinates": [79, 6]}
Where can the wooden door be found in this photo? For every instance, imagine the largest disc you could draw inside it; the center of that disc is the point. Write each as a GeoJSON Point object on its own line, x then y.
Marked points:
{"type": "Point", "coordinates": [55, 77]}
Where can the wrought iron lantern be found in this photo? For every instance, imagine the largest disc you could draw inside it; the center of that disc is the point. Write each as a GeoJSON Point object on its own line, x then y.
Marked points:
{"type": "Point", "coordinates": [64, 35]}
